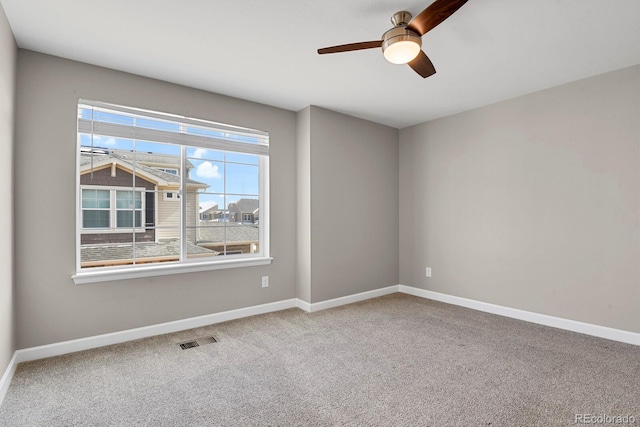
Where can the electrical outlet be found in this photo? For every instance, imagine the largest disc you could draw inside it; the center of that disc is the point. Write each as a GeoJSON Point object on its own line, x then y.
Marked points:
{"type": "Point", "coordinates": [265, 281]}
{"type": "Point", "coordinates": [428, 272]}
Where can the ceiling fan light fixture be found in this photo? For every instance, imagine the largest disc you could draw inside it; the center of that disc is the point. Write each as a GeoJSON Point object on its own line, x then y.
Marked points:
{"type": "Point", "coordinates": [400, 45]}
{"type": "Point", "coordinates": [403, 43]}
{"type": "Point", "coordinates": [401, 51]}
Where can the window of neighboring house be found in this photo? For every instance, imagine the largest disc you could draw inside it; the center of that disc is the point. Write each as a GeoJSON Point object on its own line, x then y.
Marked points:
{"type": "Point", "coordinates": [110, 210]}
{"type": "Point", "coordinates": [129, 225]}
{"type": "Point", "coordinates": [96, 208]}
{"type": "Point", "coordinates": [170, 195]}
{"type": "Point", "coordinates": [170, 170]}
{"type": "Point", "coordinates": [128, 209]}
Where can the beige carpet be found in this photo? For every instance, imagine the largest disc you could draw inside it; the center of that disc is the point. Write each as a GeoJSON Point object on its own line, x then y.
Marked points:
{"type": "Point", "coordinates": [397, 360]}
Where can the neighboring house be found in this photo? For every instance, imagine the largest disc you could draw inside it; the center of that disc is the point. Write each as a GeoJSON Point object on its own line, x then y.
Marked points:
{"type": "Point", "coordinates": [210, 213]}
{"type": "Point", "coordinates": [237, 227]}
{"type": "Point", "coordinates": [243, 211]}
{"type": "Point", "coordinates": [115, 212]}
{"type": "Point", "coordinates": [113, 208]}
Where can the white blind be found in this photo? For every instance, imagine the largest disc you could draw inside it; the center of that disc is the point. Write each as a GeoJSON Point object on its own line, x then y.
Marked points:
{"type": "Point", "coordinates": [98, 118]}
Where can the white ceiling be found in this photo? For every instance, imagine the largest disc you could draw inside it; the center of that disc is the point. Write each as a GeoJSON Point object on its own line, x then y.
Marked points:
{"type": "Point", "coordinates": [265, 51]}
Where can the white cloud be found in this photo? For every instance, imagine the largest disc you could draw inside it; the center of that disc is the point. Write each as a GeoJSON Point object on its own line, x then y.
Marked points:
{"type": "Point", "coordinates": [208, 170]}
{"type": "Point", "coordinates": [104, 141]}
{"type": "Point", "coordinates": [199, 153]}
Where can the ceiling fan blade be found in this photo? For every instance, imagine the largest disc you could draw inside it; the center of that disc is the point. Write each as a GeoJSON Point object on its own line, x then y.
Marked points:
{"type": "Point", "coordinates": [422, 65]}
{"type": "Point", "coordinates": [350, 47]}
{"type": "Point", "coordinates": [433, 15]}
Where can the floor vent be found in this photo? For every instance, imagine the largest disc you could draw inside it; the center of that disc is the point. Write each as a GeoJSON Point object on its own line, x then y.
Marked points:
{"type": "Point", "coordinates": [198, 342]}
{"type": "Point", "coordinates": [190, 344]}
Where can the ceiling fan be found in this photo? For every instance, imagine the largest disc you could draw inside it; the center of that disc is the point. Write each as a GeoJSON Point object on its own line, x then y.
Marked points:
{"type": "Point", "coordinates": [403, 43]}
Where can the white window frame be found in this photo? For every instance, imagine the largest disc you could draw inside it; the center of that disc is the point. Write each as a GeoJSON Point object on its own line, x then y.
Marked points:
{"type": "Point", "coordinates": [175, 172]}
{"type": "Point", "coordinates": [113, 215]}
{"type": "Point", "coordinates": [93, 209]}
{"type": "Point", "coordinates": [174, 198]}
{"type": "Point", "coordinates": [185, 265]}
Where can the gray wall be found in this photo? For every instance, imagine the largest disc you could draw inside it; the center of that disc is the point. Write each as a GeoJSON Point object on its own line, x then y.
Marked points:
{"type": "Point", "coordinates": [354, 205]}
{"type": "Point", "coordinates": [303, 200]}
{"type": "Point", "coordinates": [531, 203]}
{"type": "Point", "coordinates": [8, 52]}
{"type": "Point", "coordinates": [49, 306]}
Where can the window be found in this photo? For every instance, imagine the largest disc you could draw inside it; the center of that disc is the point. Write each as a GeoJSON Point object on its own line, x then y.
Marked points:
{"type": "Point", "coordinates": [102, 208]}
{"type": "Point", "coordinates": [168, 195]}
{"type": "Point", "coordinates": [128, 208]}
{"type": "Point", "coordinates": [96, 208]}
{"type": "Point", "coordinates": [134, 166]}
{"type": "Point", "coordinates": [169, 170]}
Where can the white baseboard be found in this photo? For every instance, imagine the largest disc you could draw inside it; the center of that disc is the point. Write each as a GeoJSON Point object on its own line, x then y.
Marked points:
{"type": "Point", "coordinates": [7, 376]}
{"type": "Point", "coordinates": [60, 348]}
{"type": "Point", "coordinates": [71, 346]}
{"type": "Point", "coordinates": [542, 319]}
{"type": "Point", "coordinates": [303, 305]}
{"type": "Point", "coordinates": [349, 299]}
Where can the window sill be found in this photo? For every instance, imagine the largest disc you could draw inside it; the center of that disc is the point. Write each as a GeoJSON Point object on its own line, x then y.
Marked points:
{"type": "Point", "coordinates": [163, 270]}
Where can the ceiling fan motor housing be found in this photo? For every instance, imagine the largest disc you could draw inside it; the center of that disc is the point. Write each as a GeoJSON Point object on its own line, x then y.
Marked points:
{"type": "Point", "coordinates": [400, 34]}
{"type": "Point", "coordinates": [401, 19]}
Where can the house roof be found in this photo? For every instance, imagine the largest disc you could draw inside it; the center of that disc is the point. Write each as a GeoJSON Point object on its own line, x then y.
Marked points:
{"type": "Point", "coordinates": [160, 177]}
{"type": "Point", "coordinates": [233, 233]}
{"type": "Point", "coordinates": [210, 209]}
{"type": "Point", "coordinates": [152, 158]}
{"type": "Point", "coordinates": [246, 205]}
{"type": "Point", "coordinates": [124, 251]}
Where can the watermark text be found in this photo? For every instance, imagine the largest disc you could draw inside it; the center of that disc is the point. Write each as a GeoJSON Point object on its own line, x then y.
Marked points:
{"type": "Point", "coordinates": [604, 419]}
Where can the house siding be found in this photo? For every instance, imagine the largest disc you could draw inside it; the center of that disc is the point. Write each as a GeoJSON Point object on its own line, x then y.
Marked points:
{"type": "Point", "coordinates": [168, 218]}
{"type": "Point", "coordinates": [192, 216]}
{"type": "Point", "coordinates": [242, 207]}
